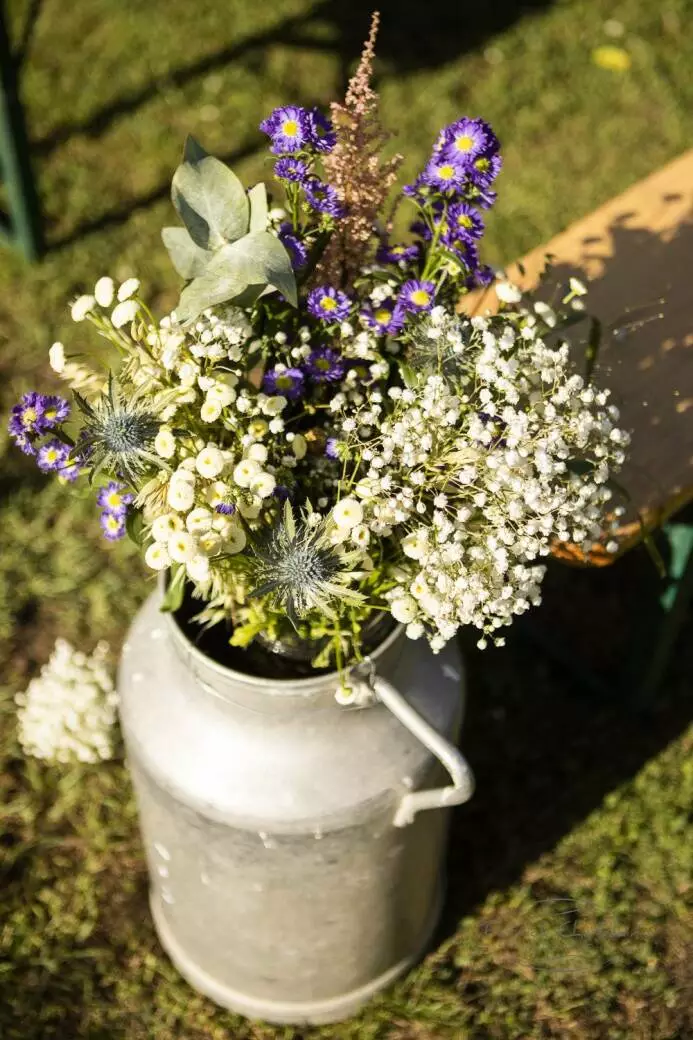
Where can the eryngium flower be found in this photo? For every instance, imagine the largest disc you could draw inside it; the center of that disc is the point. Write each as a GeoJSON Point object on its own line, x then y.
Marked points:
{"type": "Point", "coordinates": [118, 435]}
{"type": "Point", "coordinates": [296, 565]}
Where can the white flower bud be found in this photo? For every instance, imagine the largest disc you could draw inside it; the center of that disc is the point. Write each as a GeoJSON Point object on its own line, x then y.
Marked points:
{"type": "Point", "coordinates": [104, 291]}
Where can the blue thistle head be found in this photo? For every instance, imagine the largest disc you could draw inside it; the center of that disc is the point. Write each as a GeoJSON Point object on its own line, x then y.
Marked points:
{"type": "Point", "coordinates": [118, 435]}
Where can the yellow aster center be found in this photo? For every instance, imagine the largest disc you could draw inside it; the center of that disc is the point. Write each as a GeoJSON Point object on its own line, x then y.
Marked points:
{"type": "Point", "coordinates": [328, 303]}
{"type": "Point", "coordinates": [420, 297]}
{"type": "Point", "coordinates": [323, 364]}
{"type": "Point", "coordinates": [291, 128]}
{"type": "Point", "coordinates": [464, 143]}
{"type": "Point", "coordinates": [113, 523]}
{"type": "Point", "coordinates": [114, 500]}
{"type": "Point", "coordinates": [397, 250]}
{"type": "Point", "coordinates": [382, 316]}
{"type": "Point", "coordinates": [50, 413]}
{"type": "Point", "coordinates": [482, 165]}
{"type": "Point", "coordinates": [284, 382]}
{"type": "Point", "coordinates": [446, 172]}
{"type": "Point", "coordinates": [464, 220]}
{"type": "Point", "coordinates": [51, 454]}
{"type": "Point", "coordinates": [30, 416]}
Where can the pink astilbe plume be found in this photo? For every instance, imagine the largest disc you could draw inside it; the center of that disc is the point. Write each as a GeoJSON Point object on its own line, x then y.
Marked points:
{"type": "Point", "coordinates": [357, 171]}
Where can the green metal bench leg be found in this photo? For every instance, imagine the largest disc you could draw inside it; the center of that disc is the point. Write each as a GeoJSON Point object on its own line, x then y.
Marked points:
{"type": "Point", "coordinates": [25, 230]}
{"type": "Point", "coordinates": [674, 602]}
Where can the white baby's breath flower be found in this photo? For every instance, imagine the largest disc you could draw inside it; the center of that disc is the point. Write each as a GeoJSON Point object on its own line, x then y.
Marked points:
{"type": "Point", "coordinates": [128, 289]}
{"type": "Point", "coordinates": [81, 307]}
{"type": "Point", "coordinates": [182, 547]}
{"type": "Point", "coordinates": [157, 556]}
{"type": "Point", "coordinates": [348, 513]}
{"type": "Point", "coordinates": [103, 292]}
{"type": "Point", "coordinates": [56, 357]}
{"type": "Point", "coordinates": [165, 444]}
{"type": "Point", "coordinates": [507, 292]}
{"type": "Point", "coordinates": [124, 312]}
{"type": "Point", "coordinates": [210, 462]}
{"type": "Point", "coordinates": [67, 713]}
{"type": "Point", "coordinates": [403, 609]}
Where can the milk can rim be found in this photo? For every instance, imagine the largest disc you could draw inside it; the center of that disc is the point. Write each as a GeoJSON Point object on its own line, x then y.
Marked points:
{"type": "Point", "coordinates": [286, 686]}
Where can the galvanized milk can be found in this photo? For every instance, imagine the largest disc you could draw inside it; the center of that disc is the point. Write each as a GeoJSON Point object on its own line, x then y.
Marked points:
{"type": "Point", "coordinates": [295, 846]}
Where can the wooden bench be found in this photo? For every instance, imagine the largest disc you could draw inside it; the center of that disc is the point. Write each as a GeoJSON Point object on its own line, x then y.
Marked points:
{"type": "Point", "coordinates": [636, 255]}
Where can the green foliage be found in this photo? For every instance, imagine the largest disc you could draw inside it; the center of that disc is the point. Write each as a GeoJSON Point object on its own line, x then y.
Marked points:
{"type": "Point", "coordinates": [224, 249]}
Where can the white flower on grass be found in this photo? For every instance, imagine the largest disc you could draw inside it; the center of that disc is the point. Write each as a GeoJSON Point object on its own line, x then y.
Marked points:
{"type": "Point", "coordinates": [81, 307]}
{"type": "Point", "coordinates": [157, 556]}
{"type": "Point", "coordinates": [128, 289]}
{"type": "Point", "coordinates": [124, 312]}
{"type": "Point", "coordinates": [67, 713]}
{"type": "Point", "coordinates": [182, 547]}
{"type": "Point", "coordinates": [210, 462]}
{"type": "Point", "coordinates": [165, 443]}
{"type": "Point", "coordinates": [348, 513]}
{"type": "Point", "coordinates": [56, 357]}
{"type": "Point", "coordinates": [104, 291]}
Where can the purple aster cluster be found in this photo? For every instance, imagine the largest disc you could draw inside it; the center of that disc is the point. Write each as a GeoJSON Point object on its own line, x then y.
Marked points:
{"type": "Point", "coordinates": [325, 365]}
{"type": "Point", "coordinates": [328, 304]}
{"type": "Point", "coordinates": [398, 254]}
{"type": "Point", "coordinates": [292, 129]}
{"type": "Point", "coordinates": [387, 318]}
{"type": "Point", "coordinates": [114, 500]}
{"type": "Point", "coordinates": [35, 415]}
{"type": "Point", "coordinates": [323, 198]}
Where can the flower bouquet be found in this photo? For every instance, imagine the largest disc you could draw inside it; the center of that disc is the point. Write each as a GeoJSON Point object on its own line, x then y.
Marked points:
{"type": "Point", "coordinates": [317, 440]}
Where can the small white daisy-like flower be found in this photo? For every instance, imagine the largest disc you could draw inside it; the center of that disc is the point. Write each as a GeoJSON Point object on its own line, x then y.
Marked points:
{"type": "Point", "coordinates": [81, 307]}
{"type": "Point", "coordinates": [165, 444]}
{"type": "Point", "coordinates": [182, 547]}
{"type": "Point", "coordinates": [245, 472]}
{"type": "Point", "coordinates": [181, 495]}
{"type": "Point", "coordinates": [164, 526]}
{"type": "Point", "coordinates": [235, 541]}
{"type": "Point", "coordinates": [210, 462]}
{"type": "Point", "coordinates": [104, 291]}
{"type": "Point", "coordinates": [199, 520]}
{"type": "Point", "coordinates": [403, 609]}
{"type": "Point", "coordinates": [507, 292]}
{"type": "Point", "coordinates": [210, 410]}
{"type": "Point", "coordinates": [56, 357]}
{"type": "Point", "coordinates": [348, 513]}
{"type": "Point", "coordinates": [258, 452]}
{"type": "Point", "coordinates": [157, 556]}
{"type": "Point", "coordinates": [198, 568]}
{"type": "Point", "coordinates": [263, 485]}
{"type": "Point", "coordinates": [128, 289]}
{"type": "Point", "coordinates": [123, 313]}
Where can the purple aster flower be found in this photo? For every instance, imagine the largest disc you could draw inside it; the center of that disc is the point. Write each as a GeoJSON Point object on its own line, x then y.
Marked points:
{"type": "Point", "coordinates": [113, 526]}
{"type": "Point", "coordinates": [417, 296]}
{"type": "Point", "coordinates": [27, 416]}
{"type": "Point", "coordinates": [464, 223]}
{"type": "Point", "coordinates": [24, 443]}
{"type": "Point", "coordinates": [290, 169]}
{"type": "Point", "coordinates": [332, 448]}
{"type": "Point", "coordinates": [328, 304]}
{"type": "Point", "coordinates": [114, 498]}
{"type": "Point", "coordinates": [322, 135]}
{"type": "Point", "coordinates": [71, 470]}
{"type": "Point", "coordinates": [288, 129]}
{"type": "Point", "coordinates": [55, 410]}
{"type": "Point", "coordinates": [323, 197]}
{"type": "Point", "coordinates": [388, 254]}
{"type": "Point", "coordinates": [484, 170]}
{"type": "Point", "coordinates": [484, 199]}
{"type": "Point", "coordinates": [225, 508]}
{"type": "Point", "coordinates": [482, 276]}
{"type": "Point", "coordinates": [283, 493]}
{"type": "Point", "coordinates": [294, 245]}
{"type": "Point", "coordinates": [285, 381]}
{"type": "Point", "coordinates": [467, 138]}
{"type": "Point", "coordinates": [325, 365]}
{"type": "Point", "coordinates": [387, 317]}
{"type": "Point", "coordinates": [445, 173]}
{"type": "Point", "coordinates": [52, 456]}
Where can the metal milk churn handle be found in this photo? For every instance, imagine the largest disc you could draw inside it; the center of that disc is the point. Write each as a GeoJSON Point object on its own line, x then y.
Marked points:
{"type": "Point", "coordinates": [370, 688]}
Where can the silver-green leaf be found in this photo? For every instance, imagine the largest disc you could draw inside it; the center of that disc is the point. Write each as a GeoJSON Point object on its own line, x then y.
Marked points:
{"type": "Point", "coordinates": [187, 258]}
{"type": "Point", "coordinates": [258, 207]}
{"type": "Point", "coordinates": [209, 198]}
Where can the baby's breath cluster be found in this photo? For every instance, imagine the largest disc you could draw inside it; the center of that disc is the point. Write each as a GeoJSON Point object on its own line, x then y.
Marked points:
{"type": "Point", "coordinates": [67, 713]}
{"type": "Point", "coordinates": [306, 453]}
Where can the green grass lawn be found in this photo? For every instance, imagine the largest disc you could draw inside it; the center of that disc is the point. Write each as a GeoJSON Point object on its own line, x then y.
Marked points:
{"type": "Point", "coordinates": [571, 909]}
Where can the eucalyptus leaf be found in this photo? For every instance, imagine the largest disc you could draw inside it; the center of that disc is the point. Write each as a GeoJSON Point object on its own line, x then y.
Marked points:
{"type": "Point", "coordinates": [209, 198]}
{"type": "Point", "coordinates": [173, 597]}
{"type": "Point", "coordinates": [187, 258]}
{"type": "Point", "coordinates": [259, 213]}
{"type": "Point", "coordinates": [264, 259]}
